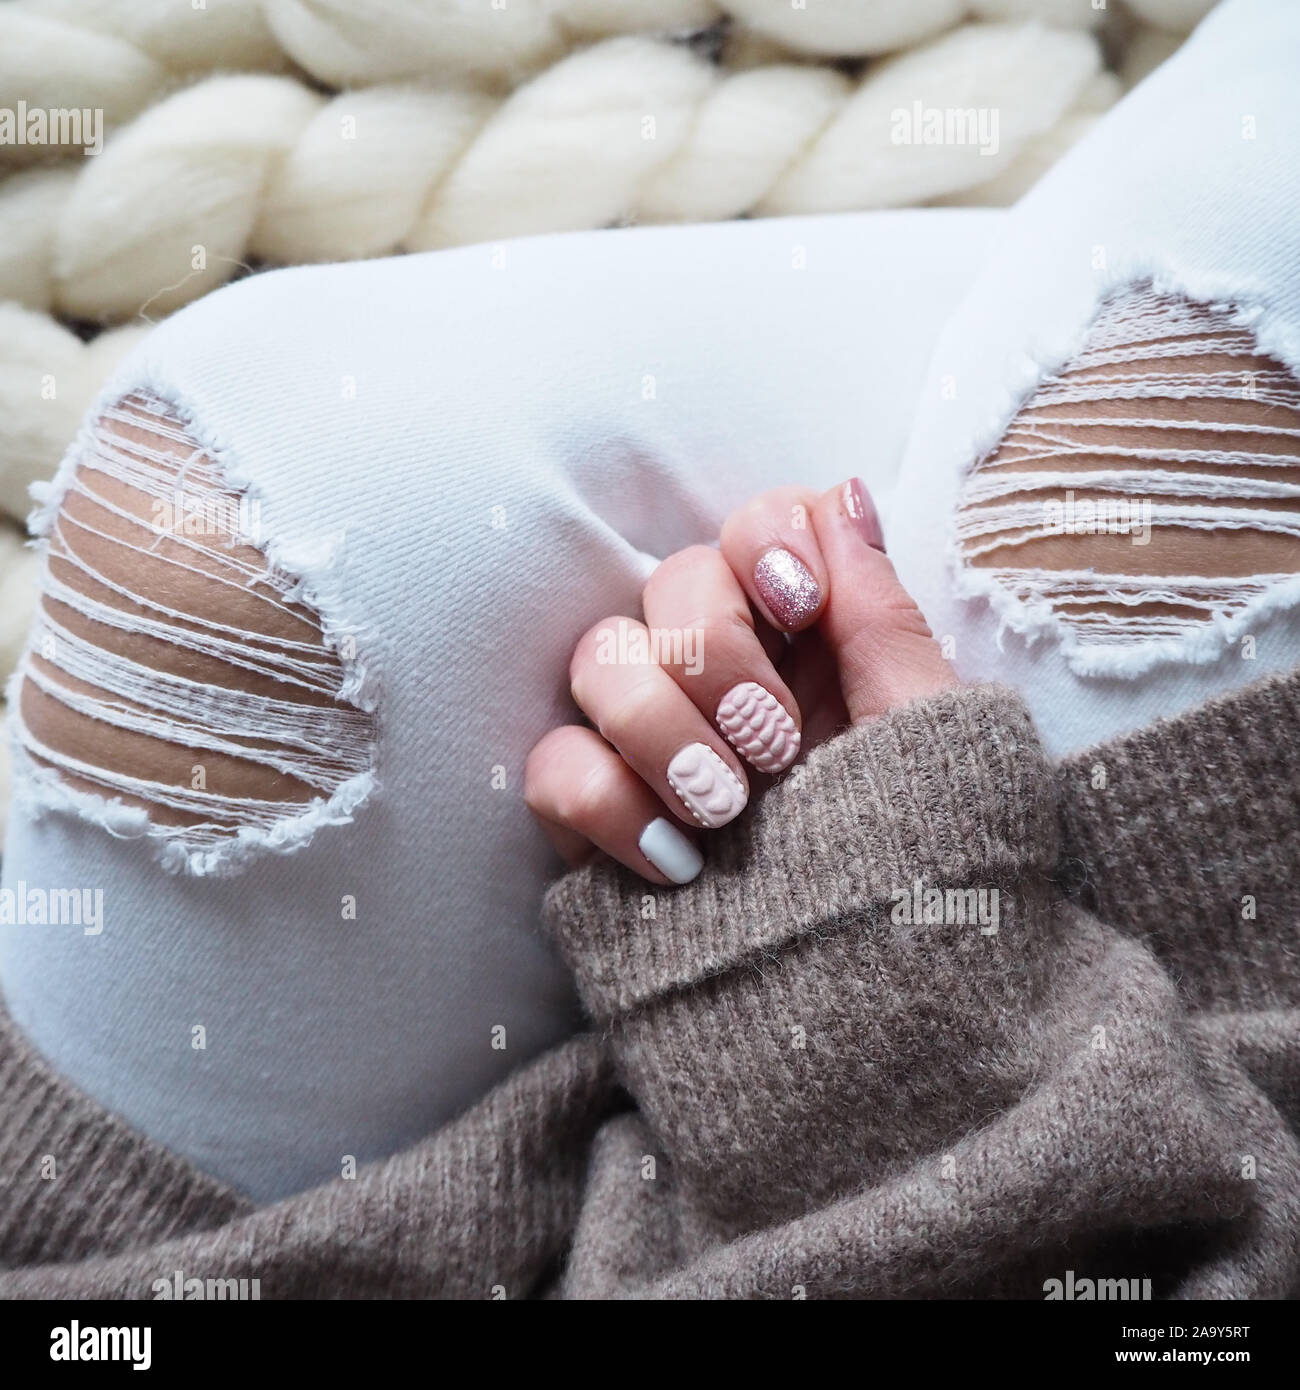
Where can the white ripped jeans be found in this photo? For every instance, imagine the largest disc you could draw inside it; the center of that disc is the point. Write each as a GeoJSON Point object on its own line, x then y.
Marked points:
{"type": "Point", "coordinates": [461, 461]}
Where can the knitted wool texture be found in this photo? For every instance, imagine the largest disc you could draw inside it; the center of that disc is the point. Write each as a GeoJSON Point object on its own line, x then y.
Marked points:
{"type": "Point", "coordinates": [823, 1100]}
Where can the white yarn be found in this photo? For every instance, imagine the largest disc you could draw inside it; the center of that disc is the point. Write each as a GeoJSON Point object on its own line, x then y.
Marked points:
{"type": "Point", "coordinates": [30, 204]}
{"type": "Point", "coordinates": [571, 148]}
{"type": "Point", "coordinates": [48, 377]}
{"type": "Point", "coordinates": [357, 176]}
{"type": "Point", "coordinates": [51, 64]}
{"type": "Point", "coordinates": [1177, 16]}
{"type": "Point", "coordinates": [749, 130]}
{"type": "Point", "coordinates": [19, 576]}
{"type": "Point", "coordinates": [831, 27]}
{"type": "Point", "coordinates": [1026, 74]}
{"type": "Point", "coordinates": [1080, 14]}
{"type": "Point", "coordinates": [187, 174]}
{"type": "Point", "coordinates": [121, 54]}
{"type": "Point", "coordinates": [261, 167]}
{"type": "Point", "coordinates": [182, 35]}
{"type": "Point", "coordinates": [1040, 153]}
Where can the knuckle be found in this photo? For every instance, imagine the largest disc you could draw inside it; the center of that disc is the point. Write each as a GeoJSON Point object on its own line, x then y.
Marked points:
{"type": "Point", "coordinates": [897, 614]}
{"type": "Point", "coordinates": [694, 563]}
{"type": "Point", "coordinates": [639, 708]}
{"type": "Point", "coordinates": [693, 557]}
{"type": "Point", "coordinates": [726, 628]}
{"type": "Point", "coordinates": [588, 646]}
{"type": "Point", "coordinates": [780, 504]}
{"type": "Point", "coordinates": [739, 524]}
{"type": "Point", "coordinates": [584, 801]}
{"type": "Point", "coordinates": [539, 771]}
{"type": "Point", "coordinates": [724, 635]}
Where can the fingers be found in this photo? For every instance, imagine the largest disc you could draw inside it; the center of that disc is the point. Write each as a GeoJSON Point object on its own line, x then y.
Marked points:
{"type": "Point", "coordinates": [641, 710]}
{"type": "Point", "coordinates": [585, 795]}
{"type": "Point", "coordinates": [882, 645]}
{"type": "Point", "coordinates": [770, 545]}
{"type": "Point", "coordinates": [701, 618]}
{"type": "Point", "coordinates": [664, 696]}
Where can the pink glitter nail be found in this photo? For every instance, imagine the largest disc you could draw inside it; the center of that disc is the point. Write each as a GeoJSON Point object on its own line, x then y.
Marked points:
{"type": "Point", "coordinates": [787, 586]}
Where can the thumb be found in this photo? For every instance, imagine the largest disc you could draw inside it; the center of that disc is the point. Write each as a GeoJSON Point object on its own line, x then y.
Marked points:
{"type": "Point", "coordinates": [883, 648]}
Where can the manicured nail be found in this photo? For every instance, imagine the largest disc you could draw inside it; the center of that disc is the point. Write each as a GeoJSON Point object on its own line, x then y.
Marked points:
{"type": "Point", "coordinates": [787, 586]}
{"type": "Point", "coordinates": [670, 851]}
{"type": "Point", "coordinates": [861, 511]}
{"type": "Point", "coordinates": [758, 726]}
{"type": "Point", "coordinates": [709, 790]}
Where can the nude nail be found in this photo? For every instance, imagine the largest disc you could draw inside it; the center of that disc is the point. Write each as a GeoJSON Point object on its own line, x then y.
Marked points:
{"type": "Point", "coordinates": [670, 851]}
{"type": "Point", "coordinates": [861, 511]}
{"type": "Point", "coordinates": [758, 726]}
{"type": "Point", "coordinates": [787, 586]}
{"type": "Point", "coordinates": [709, 790]}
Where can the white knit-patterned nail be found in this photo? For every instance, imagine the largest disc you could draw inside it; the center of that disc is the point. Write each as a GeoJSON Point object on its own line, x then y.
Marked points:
{"type": "Point", "coordinates": [710, 791]}
{"type": "Point", "coordinates": [758, 726]}
{"type": "Point", "coordinates": [670, 851]}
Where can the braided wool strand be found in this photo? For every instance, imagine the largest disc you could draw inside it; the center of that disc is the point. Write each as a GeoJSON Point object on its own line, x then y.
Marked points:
{"type": "Point", "coordinates": [120, 55]}
{"type": "Point", "coordinates": [633, 129]}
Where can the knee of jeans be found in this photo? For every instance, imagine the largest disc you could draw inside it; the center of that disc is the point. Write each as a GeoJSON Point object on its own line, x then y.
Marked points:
{"type": "Point", "coordinates": [173, 685]}
{"type": "Point", "coordinates": [1149, 491]}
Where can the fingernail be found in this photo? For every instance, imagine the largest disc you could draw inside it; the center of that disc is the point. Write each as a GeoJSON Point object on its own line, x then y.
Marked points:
{"type": "Point", "coordinates": [758, 726]}
{"type": "Point", "coordinates": [861, 511]}
{"type": "Point", "coordinates": [709, 790]}
{"type": "Point", "coordinates": [787, 586]}
{"type": "Point", "coordinates": [670, 851]}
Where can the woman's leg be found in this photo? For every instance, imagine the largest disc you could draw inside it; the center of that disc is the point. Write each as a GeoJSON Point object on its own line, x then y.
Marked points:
{"type": "Point", "coordinates": [1102, 505]}
{"type": "Point", "coordinates": [313, 574]}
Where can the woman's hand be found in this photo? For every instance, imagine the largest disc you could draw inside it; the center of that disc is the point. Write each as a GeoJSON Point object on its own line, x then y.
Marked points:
{"type": "Point", "coordinates": [749, 655]}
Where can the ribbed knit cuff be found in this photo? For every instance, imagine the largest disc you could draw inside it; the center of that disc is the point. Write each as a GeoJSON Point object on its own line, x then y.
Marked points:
{"type": "Point", "coordinates": [953, 789]}
{"type": "Point", "coordinates": [76, 1180]}
{"type": "Point", "coordinates": [1187, 826]}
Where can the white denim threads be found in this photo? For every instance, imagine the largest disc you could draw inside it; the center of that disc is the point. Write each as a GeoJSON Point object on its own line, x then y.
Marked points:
{"type": "Point", "coordinates": [1142, 346]}
{"type": "Point", "coordinates": [198, 525]}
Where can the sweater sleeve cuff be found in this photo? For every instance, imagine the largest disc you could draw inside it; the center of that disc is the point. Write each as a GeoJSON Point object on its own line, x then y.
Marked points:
{"type": "Point", "coordinates": [952, 789]}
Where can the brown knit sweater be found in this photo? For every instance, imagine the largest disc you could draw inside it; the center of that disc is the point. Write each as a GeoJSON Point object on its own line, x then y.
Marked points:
{"type": "Point", "coordinates": [789, 1089]}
